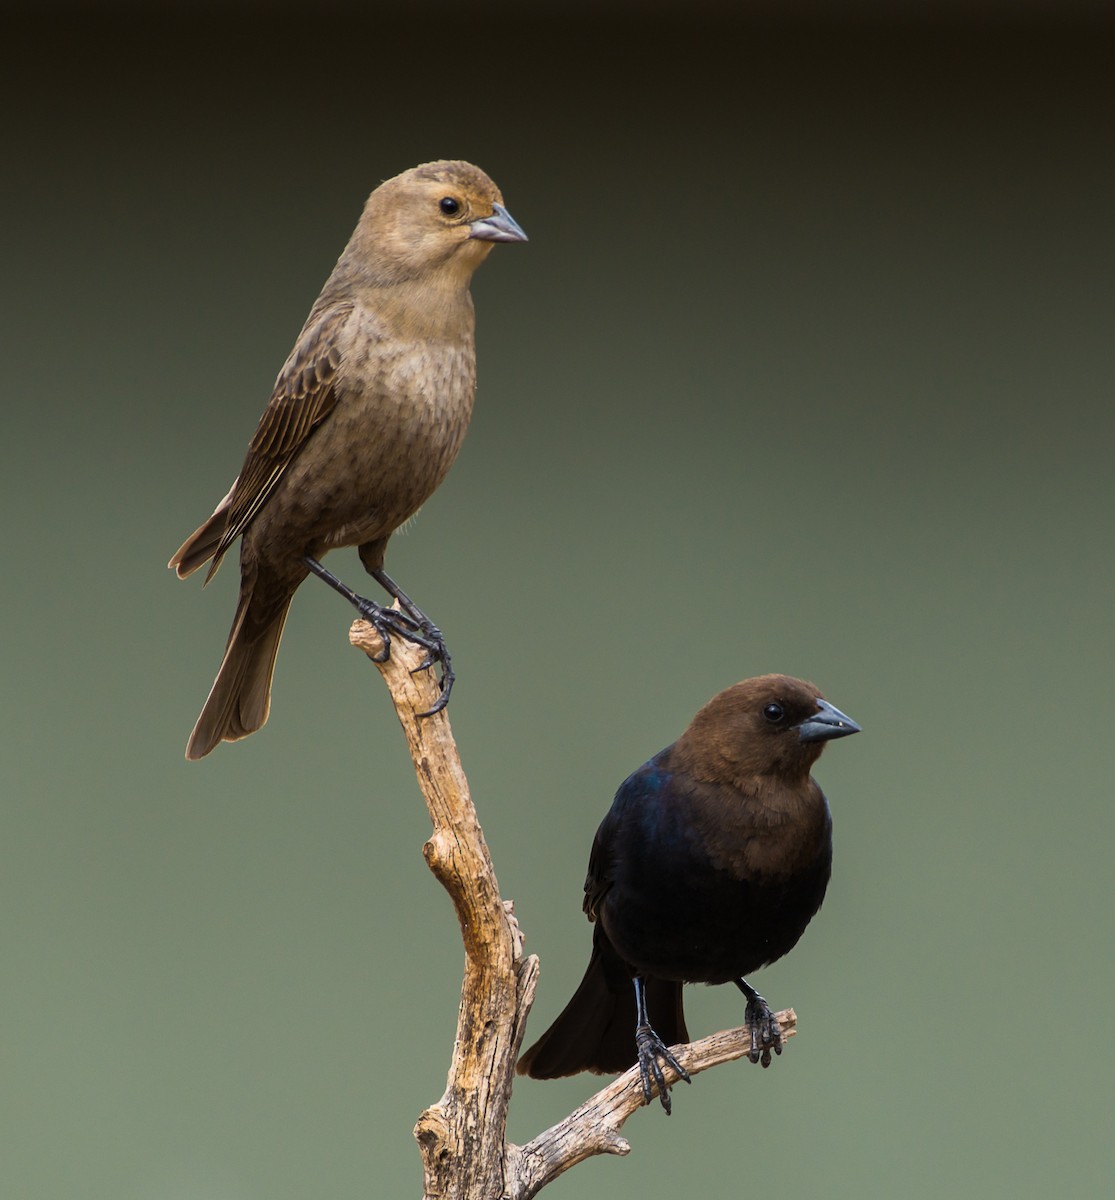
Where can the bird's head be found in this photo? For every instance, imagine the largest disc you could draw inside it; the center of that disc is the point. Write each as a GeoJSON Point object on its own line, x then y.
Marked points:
{"type": "Point", "coordinates": [437, 221]}
{"type": "Point", "coordinates": [769, 725]}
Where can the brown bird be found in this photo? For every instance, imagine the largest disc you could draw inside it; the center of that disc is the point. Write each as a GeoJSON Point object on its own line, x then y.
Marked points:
{"type": "Point", "coordinates": [366, 418]}
{"type": "Point", "coordinates": [711, 862]}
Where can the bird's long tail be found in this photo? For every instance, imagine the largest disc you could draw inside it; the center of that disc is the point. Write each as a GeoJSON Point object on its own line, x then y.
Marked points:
{"type": "Point", "coordinates": [240, 698]}
{"type": "Point", "coordinates": [596, 1029]}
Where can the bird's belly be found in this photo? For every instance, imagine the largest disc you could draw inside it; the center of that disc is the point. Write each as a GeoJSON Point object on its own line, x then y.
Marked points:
{"type": "Point", "coordinates": [387, 451]}
{"type": "Point", "coordinates": [719, 930]}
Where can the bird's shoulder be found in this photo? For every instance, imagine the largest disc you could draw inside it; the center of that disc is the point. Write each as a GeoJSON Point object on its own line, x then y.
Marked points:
{"type": "Point", "coordinates": [635, 798]}
{"type": "Point", "coordinates": [305, 391]}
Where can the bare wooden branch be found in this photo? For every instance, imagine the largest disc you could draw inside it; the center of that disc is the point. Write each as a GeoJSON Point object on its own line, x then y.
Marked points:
{"type": "Point", "coordinates": [462, 1138]}
{"type": "Point", "coordinates": [594, 1127]}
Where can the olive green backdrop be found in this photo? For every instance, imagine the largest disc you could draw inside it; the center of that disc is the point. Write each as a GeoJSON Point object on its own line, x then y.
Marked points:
{"type": "Point", "coordinates": [807, 367]}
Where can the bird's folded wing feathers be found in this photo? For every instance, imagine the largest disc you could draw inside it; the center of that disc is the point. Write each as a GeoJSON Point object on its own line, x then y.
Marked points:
{"type": "Point", "coordinates": [305, 394]}
{"type": "Point", "coordinates": [600, 865]}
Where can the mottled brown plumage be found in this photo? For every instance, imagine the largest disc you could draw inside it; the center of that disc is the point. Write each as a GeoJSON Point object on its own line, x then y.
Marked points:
{"type": "Point", "coordinates": [365, 419]}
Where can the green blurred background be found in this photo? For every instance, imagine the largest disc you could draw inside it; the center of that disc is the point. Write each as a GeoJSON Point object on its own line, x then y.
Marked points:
{"type": "Point", "coordinates": [807, 367]}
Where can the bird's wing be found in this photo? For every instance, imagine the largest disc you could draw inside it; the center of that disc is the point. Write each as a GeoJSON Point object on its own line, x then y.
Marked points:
{"type": "Point", "coordinates": [601, 858]}
{"type": "Point", "coordinates": [305, 394]}
{"type": "Point", "coordinates": [599, 877]}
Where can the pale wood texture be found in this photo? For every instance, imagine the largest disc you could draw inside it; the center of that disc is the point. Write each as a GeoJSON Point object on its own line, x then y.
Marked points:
{"type": "Point", "coordinates": [593, 1128]}
{"type": "Point", "coordinates": [462, 1137]}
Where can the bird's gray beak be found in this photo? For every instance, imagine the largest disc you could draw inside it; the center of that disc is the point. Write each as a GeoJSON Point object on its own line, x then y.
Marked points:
{"type": "Point", "coordinates": [501, 226]}
{"type": "Point", "coordinates": [826, 724]}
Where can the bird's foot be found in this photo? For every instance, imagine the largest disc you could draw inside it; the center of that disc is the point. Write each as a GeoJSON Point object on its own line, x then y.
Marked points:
{"type": "Point", "coordinates": [408, 621]}
{"type": "Point", "coordinates": [388, 622]}
{"type": "Point", "coordinates": [418, 629]}
{"type": "Point", "coordinates": [766, 1033]}
{"type": "Point", "coordinates": [428, 636]}
{"type": "Point", "coordinates": [651, 1049]}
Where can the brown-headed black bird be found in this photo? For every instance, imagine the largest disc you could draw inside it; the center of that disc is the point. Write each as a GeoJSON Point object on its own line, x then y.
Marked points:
{"type": "Point", "coordinates": [365, 419]}
{"type": "Point", "coordinates": [710, 863]}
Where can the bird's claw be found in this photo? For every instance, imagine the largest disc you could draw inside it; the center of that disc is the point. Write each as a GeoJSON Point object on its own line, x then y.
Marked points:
{"type": "Point", "coordinates": [374, 615]}
{"type": "Point", "coordinates": [422, 633]}
{"type": "Point", "coordinates": [392, 620]}
{"type": "Point", "coordinates": [407, 621]}
{"type": "Point", "coordinates": [766, 1033]}
{"type": "Point", "coordinates": [429, 637]}
{"type": "Point", "coordinates": [420, 630]}
{"type": "Point", "coordinates": [651, 1049]}
{"type": "Point", "coordinates": [437, 652]}
{"type": "Point", "coordinates": [388, 621]}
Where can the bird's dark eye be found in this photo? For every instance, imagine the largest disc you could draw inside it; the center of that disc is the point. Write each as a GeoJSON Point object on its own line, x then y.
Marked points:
{"type": "Point", "coordinates": [449, 206]}
{"type": "Point", "coordinates": [773, 713]}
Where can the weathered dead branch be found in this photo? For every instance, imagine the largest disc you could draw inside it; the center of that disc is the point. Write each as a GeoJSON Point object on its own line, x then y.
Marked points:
{"type": "Point", "coordinates": [462, 1137]}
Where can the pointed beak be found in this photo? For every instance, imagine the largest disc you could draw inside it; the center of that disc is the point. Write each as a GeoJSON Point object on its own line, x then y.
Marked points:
{"type": "Point", "coordinates": [825, 724]}
{"type": "Point", "coordinates": [501, 226]}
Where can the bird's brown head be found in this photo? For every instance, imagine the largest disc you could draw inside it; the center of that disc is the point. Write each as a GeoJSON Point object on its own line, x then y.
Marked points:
{"type": "Point", "coordinates": [769, 725]}
{"type": "Point", "coordinates": [439, 219]}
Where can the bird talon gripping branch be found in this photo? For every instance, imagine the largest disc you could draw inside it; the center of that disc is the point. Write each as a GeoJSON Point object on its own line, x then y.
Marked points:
{"type": "Point", "coordinates": [438, 654]}
{"type": "Point", "coordinates": [413, 628]}
{"type": "Point", "coordinates": [400, 622]}
{"type": "Point", "coordinates": [652, 1051]}
{"type": "Point", "coordinates": [384, 652]}
{"type": "Point", "coordinates": [710, 863]}
{"type": "Point", "coordinates": [365, 419]}
{"type": "Point", "coordinates": [766, 1033]}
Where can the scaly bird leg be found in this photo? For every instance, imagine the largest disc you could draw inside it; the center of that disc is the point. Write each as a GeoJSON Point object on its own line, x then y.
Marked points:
{"type": "Point", "coordinates": [410, 623]}
{"type": "Point", "coordinates": [766, 1034]}
{"type": "Point", "coordinates": [650, 1049]}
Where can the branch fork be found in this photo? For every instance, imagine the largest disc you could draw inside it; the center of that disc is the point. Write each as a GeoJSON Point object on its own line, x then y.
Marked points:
{"type": "Point", "coordinates": [462, 1137]}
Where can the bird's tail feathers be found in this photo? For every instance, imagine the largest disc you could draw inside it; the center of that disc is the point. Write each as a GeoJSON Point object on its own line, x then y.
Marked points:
{"type": "Point", "coordinates": [240, 699]}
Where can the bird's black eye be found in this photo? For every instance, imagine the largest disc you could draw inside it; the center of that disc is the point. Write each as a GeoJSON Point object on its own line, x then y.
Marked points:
{"type": "Point", "coordinates": [449, 206]}
{"type": "Point", "coordinates": [773, 713]}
